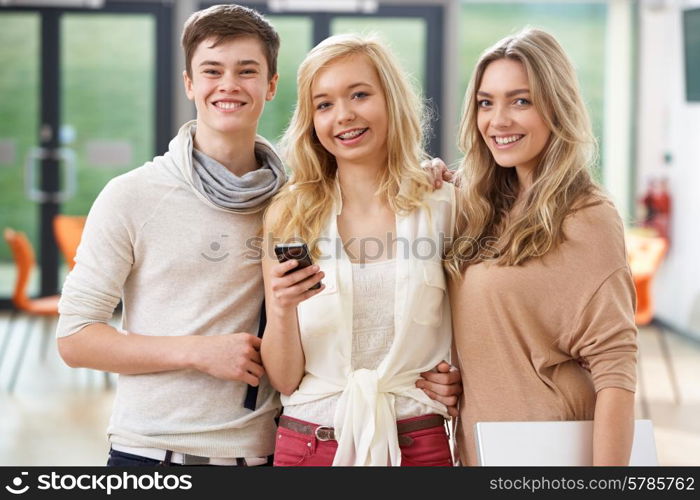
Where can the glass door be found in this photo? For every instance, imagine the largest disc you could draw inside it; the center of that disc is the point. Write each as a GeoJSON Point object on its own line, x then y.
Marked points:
{"type": "Point", "coordinates": [20, 40]}
{"type": "Point", "coordinates": [296, 35]}
{"type": "Point", "coordinates": [86, 97]}
{"type": "Point", "coordinates": [406, 37]}
{"type": "Point", "coordinates": [107, 93]}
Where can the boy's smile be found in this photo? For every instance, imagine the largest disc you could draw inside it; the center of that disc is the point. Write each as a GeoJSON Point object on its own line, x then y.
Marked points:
{"type": "Point", "coordinates": [229, 86]}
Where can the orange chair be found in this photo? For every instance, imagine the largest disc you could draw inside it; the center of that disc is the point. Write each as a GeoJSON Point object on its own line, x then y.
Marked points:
{"type": "Point", "coordinates": [67, 230]}
{"type": "Point", "coordinates": [43, 307]}
{"type": "Point", "coordinates": [645, 256]}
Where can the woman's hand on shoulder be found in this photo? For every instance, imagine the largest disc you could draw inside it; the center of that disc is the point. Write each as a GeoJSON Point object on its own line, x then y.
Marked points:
{"type": "Point", "coordinates": [438, 172]}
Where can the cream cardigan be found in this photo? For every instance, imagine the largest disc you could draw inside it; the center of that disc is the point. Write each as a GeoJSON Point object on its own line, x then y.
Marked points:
{"type": "Point", "coordinates": [365, 419]}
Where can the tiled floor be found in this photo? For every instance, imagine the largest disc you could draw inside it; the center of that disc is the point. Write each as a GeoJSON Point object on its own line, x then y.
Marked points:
{"type": "Point", "coordinates": [669, 394]}
{"type": "Point", "coordinates": [58, 415]}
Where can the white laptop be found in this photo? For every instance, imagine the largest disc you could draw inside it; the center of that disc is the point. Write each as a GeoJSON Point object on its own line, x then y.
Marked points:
{"type": "Point", "coordinates": [552, 443]}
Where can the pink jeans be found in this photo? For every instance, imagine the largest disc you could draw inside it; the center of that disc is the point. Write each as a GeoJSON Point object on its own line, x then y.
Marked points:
{"type": "Point", "coordinates": [430, 448]}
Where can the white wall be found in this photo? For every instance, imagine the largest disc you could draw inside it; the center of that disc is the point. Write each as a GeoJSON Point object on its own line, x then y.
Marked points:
{"type": "Point", "coordinates": [668, 124]}
{"type": "Point", "coordinates": [617, 133]}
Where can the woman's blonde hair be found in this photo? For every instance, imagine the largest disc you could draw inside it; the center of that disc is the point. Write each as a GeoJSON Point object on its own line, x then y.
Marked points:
{"type": "Point", "coordinates": [301, 209]}
{"type": "Point", "coordinates": [561, 181]}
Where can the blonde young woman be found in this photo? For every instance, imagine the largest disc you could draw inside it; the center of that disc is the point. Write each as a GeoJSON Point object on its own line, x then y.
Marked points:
{"type": "Point", "coordinates": [346, 357]}
{"type": "Point", "coordinates": [542, 300]}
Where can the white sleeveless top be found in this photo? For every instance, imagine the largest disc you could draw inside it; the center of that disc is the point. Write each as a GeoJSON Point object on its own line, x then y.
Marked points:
{"type": "Point", "coordinates": [366, 411]}
{"type": "Point", "coordinates": [372, 336]}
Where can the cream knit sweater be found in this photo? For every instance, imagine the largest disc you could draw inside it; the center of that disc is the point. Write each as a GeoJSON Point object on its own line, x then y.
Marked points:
{"type": "Point", "coordinates": [181, 266]}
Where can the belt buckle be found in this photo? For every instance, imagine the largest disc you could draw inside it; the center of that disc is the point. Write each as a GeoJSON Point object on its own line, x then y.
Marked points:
{"type": "Point", "coordinates": [324, 433]}
{"type": "Point", "coordinates": [194, 460]}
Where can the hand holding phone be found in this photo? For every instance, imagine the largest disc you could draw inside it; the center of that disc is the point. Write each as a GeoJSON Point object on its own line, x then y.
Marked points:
{"type": "Point", "coordinates": [298, 252]}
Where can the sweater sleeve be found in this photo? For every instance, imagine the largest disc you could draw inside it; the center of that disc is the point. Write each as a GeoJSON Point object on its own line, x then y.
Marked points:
{"type": "Point", "coordinates": [103, 262]}
{"type": "Point", "coordinates": [605, 335]}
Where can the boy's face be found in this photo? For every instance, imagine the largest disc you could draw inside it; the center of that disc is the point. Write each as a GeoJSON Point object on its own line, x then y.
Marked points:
{"type": "Point", "coordinates": [229, 85]}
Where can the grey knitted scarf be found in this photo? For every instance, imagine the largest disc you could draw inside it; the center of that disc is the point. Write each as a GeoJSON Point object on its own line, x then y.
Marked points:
{"type": "Point", "coordinates": [246, 194]}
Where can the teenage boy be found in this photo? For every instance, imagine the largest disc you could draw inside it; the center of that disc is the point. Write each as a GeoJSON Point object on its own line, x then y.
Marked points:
{"type": "Point", "coordinates": [170, 239]}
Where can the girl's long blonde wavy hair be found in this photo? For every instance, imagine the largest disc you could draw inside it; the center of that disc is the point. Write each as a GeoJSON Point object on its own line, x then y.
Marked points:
{"type": "Point", "coordinates": [561, 181]}
{"type": "Point", "coordinates": [301, 209]}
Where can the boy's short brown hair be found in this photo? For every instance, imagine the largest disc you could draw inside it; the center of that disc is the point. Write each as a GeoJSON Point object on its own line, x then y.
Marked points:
{"type": "Point", "coordinates": [224, 22]}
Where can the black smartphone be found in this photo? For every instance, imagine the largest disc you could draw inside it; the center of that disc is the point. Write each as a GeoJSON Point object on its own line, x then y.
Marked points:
{"type": "Point", "coordinates": [298, 252]}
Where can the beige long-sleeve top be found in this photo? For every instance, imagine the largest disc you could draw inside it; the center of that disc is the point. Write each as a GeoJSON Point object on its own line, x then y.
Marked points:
{"type": "Point", "coordinates": [520, 331]}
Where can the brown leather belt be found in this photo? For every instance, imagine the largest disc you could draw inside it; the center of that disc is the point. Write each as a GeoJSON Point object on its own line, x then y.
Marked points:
{"type": "Point", "coordinates": [324, 433]}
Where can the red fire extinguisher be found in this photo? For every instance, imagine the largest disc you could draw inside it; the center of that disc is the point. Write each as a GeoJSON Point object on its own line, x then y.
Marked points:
{"type": "Point", "coordinates": [657, 204]}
